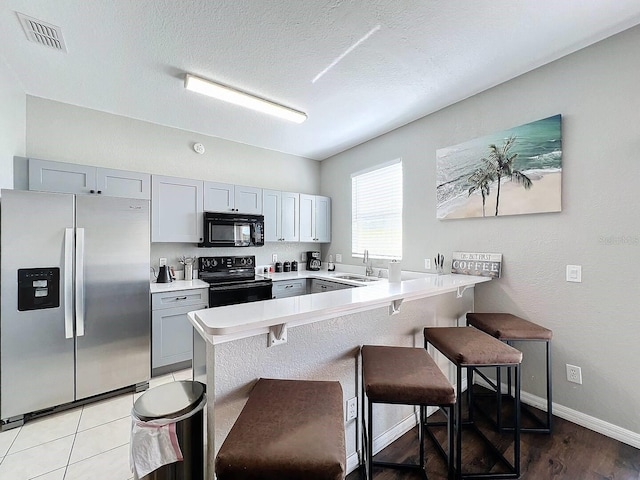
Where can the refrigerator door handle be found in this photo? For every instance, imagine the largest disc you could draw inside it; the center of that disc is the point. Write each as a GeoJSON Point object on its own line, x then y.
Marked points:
{"type": "Point", "coordinates": [68, 283]}
{"type": "Point", "coordinates": [79, 282]}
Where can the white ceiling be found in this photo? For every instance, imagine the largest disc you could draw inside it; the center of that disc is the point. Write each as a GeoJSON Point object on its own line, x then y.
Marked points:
{"type": "Point", "coordinates": [129, 58]}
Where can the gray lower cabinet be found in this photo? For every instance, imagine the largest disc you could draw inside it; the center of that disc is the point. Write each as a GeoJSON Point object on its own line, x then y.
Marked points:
{"type": "Point", "coordinates": [171, 331]}
{"type": "Point", "coordinates": [289, 288]}
{"type": "Point", "coordinates": [318, 285]}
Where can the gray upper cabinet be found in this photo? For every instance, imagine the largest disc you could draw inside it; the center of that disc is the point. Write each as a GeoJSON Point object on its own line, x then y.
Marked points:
{"type": "Point", "coordinates": [281, 216]}
{"type": "Point", "coordinates": [224, 197]}
{"type": "Point", "coordinates": [176, 210]}
{"type": "Point", "coordinates": [315, 218]}
{"type": "Point", "coordinates": [119, 183]}
{"type": "Point", "coordinates": [48, 176]}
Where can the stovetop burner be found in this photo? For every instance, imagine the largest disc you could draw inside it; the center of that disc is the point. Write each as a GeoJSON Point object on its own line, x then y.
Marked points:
{"type": "Point", "coordinates": [228, 269]}
{"type": "Point", "coordinates": [233, 280]}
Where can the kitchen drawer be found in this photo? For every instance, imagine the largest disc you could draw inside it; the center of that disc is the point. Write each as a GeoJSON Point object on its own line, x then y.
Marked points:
{"type": "Point", "coordinates": [318, 286]}
{"type": "Point", "coordinates": [289, 288]}
{"type": "Point", "coordinates": [180, 298]}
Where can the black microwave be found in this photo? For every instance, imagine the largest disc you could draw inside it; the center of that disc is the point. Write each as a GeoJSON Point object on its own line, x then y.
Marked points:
{"type": "Point", "coordinates": [232, 230]}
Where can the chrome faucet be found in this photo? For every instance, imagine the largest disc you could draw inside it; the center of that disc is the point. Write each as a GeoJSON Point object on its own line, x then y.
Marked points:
{"type": "Point", "coordinates": [368, 267]}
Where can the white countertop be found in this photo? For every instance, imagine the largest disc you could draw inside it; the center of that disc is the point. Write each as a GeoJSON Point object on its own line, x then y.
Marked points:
{"type": "Point", "coordinates": [336, 276]}
{"type": "Point", "coordinates": [247, 319]}
{"type": "Point", "coordinates": [177, 285]}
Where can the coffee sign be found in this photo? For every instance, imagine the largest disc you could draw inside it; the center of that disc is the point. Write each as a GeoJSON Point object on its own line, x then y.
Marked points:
{"type": "Point", "coordinates": [480, 264]}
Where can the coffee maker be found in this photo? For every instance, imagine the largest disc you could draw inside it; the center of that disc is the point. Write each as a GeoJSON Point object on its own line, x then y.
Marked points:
{"type": "Point", "coordinates": [313, 261]}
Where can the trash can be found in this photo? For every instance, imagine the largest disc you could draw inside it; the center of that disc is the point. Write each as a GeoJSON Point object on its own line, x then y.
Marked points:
{"type": "Point", "coordinates": [178, 406]}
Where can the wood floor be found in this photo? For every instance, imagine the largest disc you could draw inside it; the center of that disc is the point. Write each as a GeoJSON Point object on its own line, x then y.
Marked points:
{"type": "Point", "coordinates": [571, 452]}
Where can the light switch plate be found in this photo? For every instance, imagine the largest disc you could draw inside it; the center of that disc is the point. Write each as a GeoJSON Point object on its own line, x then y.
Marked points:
{"type": "Point", "coordinates": [574, 273]}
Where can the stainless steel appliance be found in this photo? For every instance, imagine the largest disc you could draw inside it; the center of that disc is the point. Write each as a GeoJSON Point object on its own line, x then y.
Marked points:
{"type": "Point", "coordinates": [75, 310]}
{"type": "Point", "coordinates": [164, 275]}
{"type": "Point", "coordinates": [313, 261]}
{"type": "Point", "coordinates": [232, 230]}
{"type": "Point", "coordinates": [233, 280]}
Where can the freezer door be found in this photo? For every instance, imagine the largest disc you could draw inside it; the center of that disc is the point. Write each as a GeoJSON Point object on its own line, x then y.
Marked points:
{"type": "Point", "coordinates": [112, 294]}
{"type": "Point", "coordinates": [36, 345]}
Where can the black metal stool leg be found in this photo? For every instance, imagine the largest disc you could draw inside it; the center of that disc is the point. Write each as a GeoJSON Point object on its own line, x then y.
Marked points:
{"type": "Point", "coordinates": [458, 423]}
{"type": "Point", "coordinates": [518, 419]}
{"type": "Point", "coordinates": [369, 440]}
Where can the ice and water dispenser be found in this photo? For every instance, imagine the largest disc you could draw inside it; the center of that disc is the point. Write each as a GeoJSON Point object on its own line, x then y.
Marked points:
{"type": "Point", "coordinates": [38, 288]}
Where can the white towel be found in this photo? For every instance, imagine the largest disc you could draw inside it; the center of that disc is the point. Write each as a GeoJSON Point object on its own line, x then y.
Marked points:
{"type": "Point", "coordinates": [152, 446]}
{"type": "Point", "coordinates": [155, 443]}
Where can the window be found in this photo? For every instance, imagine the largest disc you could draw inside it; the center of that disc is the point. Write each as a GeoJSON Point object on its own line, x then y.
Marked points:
{"type": "Point", "coordinates": [376, 211]}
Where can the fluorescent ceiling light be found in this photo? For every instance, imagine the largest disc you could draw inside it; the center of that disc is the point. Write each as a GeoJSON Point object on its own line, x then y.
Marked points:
{"type": "Point", "coordinates": [231, 95]}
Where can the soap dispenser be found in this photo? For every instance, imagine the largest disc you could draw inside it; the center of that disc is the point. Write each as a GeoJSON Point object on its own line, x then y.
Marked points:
{"type": "Point", "coordinates": [331, 266]}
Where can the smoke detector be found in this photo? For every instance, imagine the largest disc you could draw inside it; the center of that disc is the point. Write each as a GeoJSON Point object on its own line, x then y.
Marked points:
{"type": "Point", "coordinates": [41, 32]}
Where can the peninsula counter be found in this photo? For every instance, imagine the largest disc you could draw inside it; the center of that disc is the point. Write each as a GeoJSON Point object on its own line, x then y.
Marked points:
{"type": "Point", "coordinates": [317, 337]}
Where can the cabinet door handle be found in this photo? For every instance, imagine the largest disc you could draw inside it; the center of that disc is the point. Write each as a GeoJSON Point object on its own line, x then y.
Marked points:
{"type": "Point", "coordinates": [181, 298]}
{"type": "Point", "coordinates": [288, 286]}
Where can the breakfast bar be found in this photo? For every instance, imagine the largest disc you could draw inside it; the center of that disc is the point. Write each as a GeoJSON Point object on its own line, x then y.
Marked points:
{"type": "Point", "coordinates": [317, 337]}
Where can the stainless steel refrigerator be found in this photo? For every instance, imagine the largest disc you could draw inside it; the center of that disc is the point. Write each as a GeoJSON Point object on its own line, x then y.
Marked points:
{"type": "Point", "coordinates": [75, 306]}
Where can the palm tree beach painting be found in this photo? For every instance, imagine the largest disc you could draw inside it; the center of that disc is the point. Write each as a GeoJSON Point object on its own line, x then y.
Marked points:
{"type": "Point", "coordinates": [513, 172]}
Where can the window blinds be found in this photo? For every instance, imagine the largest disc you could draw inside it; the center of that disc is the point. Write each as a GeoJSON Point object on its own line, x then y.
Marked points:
{"type": "Point", "coordinates": [376, 211]}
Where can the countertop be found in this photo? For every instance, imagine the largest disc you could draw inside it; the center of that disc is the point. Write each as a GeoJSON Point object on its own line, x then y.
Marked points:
{"type": "Point", "coordinates": [337, 276]}
{"type": "Point", "coordinates": [177, 285]}
{"type": "Point", "coordinates": [248, 319]}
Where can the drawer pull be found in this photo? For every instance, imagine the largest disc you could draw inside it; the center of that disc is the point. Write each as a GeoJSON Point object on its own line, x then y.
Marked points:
{"type": "Point", "coordinates": [181, 298]}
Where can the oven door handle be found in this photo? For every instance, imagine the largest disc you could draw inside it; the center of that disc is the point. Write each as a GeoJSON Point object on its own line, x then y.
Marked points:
{"type": "Point", "coordinates": [243, 286]}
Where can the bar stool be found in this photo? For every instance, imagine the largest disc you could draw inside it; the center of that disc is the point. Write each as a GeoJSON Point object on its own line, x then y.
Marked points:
{"type": "Point", "coordinates": [406, 376]}
{"type": "Point", "coordinates": [509, 328]}
{"type": "Point", "coordinates": [287, 429]}
{"type": "Point", "coordinates": [468, 347]}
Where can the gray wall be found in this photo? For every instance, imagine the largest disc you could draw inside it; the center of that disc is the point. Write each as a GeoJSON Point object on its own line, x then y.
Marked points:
{"type": "Point", "coordinates": [595, 322]}
{"type": "Point", "coordinates": [12, 123]}
{"type": "Point", "coordinates": [67, 133]}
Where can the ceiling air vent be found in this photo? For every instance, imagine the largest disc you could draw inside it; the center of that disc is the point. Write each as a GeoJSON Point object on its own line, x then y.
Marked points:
{"type": "Point", "coordinates": [42, 32]}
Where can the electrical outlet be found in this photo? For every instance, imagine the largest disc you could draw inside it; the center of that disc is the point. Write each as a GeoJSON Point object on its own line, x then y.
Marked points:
{"type": "Point", "coordinates": [574, 273]}
{"type": "Point", "coordinates": [427, 264]}
{"type": "Point", "coordinates": [352, 408]}
{"type": "Point", "coordinates": [574, 374]}
{"type": "Point", "coordinates": [303, 257]}
{"type": "Point", "coordinates": [274, 257]}
{"type": "Point", "coordinates": [338, 258]}
{"type": "Point", "coordinates": [162, 262]}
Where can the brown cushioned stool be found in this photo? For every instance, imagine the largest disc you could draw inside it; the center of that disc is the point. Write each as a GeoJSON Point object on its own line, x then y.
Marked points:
{"type": "Point", "coordinates": [288, 429]}
{"type": "Point", "coordinates": [407, 376]}
{"type": "Point", "coordinates": [509, 328]}
{"type": "Point", "coordinates": [468, 347]}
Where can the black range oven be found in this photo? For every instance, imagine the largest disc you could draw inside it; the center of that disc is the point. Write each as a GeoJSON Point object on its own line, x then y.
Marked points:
{"type": "Point", "coordinates": [233, 280]}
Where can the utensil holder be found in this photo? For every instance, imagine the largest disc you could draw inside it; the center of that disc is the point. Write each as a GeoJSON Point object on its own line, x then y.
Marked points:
{"type": "Point", "coordinates": [188, 271]}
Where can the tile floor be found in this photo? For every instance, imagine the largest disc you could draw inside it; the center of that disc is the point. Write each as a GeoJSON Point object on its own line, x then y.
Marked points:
{"type": "Point", "coordinates": [88, 442]}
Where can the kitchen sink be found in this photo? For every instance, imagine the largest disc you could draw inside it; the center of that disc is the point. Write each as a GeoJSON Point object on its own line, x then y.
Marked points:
{"type": "Point", "coordinates": [357, 278]}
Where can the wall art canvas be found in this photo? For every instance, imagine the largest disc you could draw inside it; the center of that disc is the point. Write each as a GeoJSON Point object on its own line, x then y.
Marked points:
{"type": "Point", "coordinates": [513, 172]}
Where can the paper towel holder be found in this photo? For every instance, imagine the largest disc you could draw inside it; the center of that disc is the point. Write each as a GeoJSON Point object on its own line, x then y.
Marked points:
{"type": "Point", "coordinates": [395, 272]}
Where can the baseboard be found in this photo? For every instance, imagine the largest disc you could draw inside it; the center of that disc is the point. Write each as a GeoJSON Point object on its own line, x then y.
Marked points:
{"type": "Point", "coordinates": [353, 462]}
{"type": "Point", "coordinates": [587, 421]}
